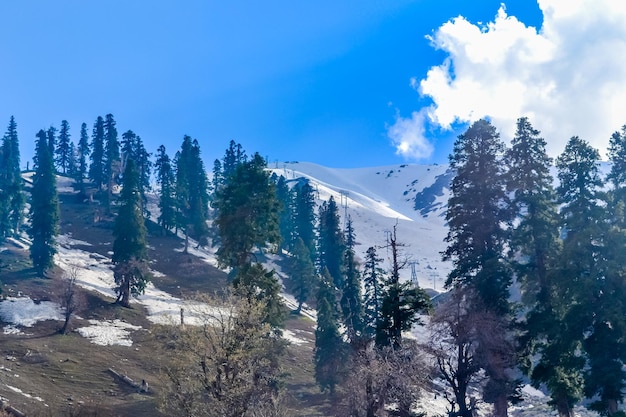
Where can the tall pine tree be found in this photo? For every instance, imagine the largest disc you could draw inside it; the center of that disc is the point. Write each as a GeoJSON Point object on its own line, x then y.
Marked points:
{"type": "Point", "coordinates": [192, 192]}
{"type": "Point", "coordinates": [581, 268]}
{"type": "Point", "coordinates": [351, 297]}
{"type": "Point", "coordinates": [44, 207]}
{"type": "Point", "coordinates": [62, 151]}
{"type": "Point", "coordinates": [130, 250]}
{"type": "Point", "coordinates": [247, 221]}
{"type": "Point", "coordinates": [96, 168]}
{"type": "Point", "coordinates": [12, 198]}
{"type": "Point", "coordinates": [373, 276]}
{"type": "Point", "coordinates": [234, 156]}
{"type": "Point", "coordinates": [535, 254]}
{"type": "Point", "coordinates": [331, 243]}
{"type": "Point", "coordinates": [82, 153]}
{"type": "Point", "coordinates": [303, 276]}
{"type": "Point", "coordinates": [112, 161]}
{"type": "Point", "coordinates": [247, 213]}
{"type": "Point", "coordinates": [52, 140]}
{"type": "Point", "coordinates": [476, 215]}
{"type": "Point", "coordinates": [166, 180]}
{"type": "Point", "coordinates": [304, 216]}
{"type": "Point", "coordinates": [330, 350]}
{"type": "Point", "coordinates": [285, 215]}
{"type": "Point", "coordinates": [132, 148]}
{"type": "Point", "coordinates": [606, 351]}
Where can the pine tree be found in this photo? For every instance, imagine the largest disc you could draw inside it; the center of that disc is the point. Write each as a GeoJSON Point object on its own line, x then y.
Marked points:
{"type": "Point", "coordinates": [132, 148]}
{"type": "Point", "coordinates": [96, 168]}
{"type": "Point", "coordinates": [112, 160]}
{"type": "Point", "coordinates": [62, 151]}
{"type": "Point", "coordinates": [285, 215]}
{"type": "Point", "coordinates": [304, 216]}
{"type": "Point", "coordinates": [234, 156]}
{"type": "Point", "coordinates": [218, 179]}
{"type": "Point", "coordinates": [44, 207]}
{"type": "Point", "coordinates": [129, 247]}
{"type": "Point", "coordinates": [247, 213]}
{"type": "Point", "coordinates": [373, 276]}
{"type": "Point", "coordinates": [247, 220]}
{"type": "Point", "coordinates": [82, 155]}
{"type": "Point", "coordinates": [330, 350]}
{"type": "Point", "coordinates": [199, 197]}
{"type": "Point", "coordinates": [561, 365]}
{"type": "Point", "coordinates": [535, 253]}
{"type": "Point", "coordinates": [52, 140]}
{"type": "Point", "coordinates": [182, 191]}
{"type": "Point", "coordinates": [476, 215]}
{"type": "Point", "coordinates": [12, 198]}
{"type": "Point", "coordinates": [303, 273]}
{"type": "Point", "coordinates": [254, 282]}
{"type": "Point", "coordinates": [331, 243]}
{"type": "Point", "coordinates": [534, 243]}
{"type": "Point", "coordinates": [145, 170]}
{"type": "Point", "coordinates": [192, 192]}
{"type": "Point", "coordinates": [166, 180]}
{"type": "Point", "coordinates": [72, 163]}
{"type": "Point", "coordinates": [351, 298]}
{"type": "Point", "coordinates": [401, 303]}
{"type": "Point", "coordinates": [604, 338]}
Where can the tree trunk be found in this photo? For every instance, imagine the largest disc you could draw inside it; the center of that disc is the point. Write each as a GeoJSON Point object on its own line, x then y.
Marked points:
{"type": "Point", "coordinates": [125, 292]}
{"type": "Point", "coordinates": [611, 406]}
{"type": "Point", "coordinates": [563, 408]}
{"type": "Point", "coordinates": [501, 406]}
{"type": "Point", "coordinates": [65, 324]}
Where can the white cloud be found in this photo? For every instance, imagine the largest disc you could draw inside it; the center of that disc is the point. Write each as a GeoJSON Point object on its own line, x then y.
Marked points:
{"type": "Point", "coordinates": [408, 136]}
{"type": "Point", "coordinates": [569, 77]}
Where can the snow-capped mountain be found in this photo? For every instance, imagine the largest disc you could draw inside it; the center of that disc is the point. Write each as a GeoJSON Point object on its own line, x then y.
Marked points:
{"type": "Point", "coordinates": [413, 197]}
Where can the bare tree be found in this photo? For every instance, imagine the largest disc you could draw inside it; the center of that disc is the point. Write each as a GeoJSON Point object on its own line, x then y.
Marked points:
{"type": "Point", "coordinates": [465, 339]}
{"type": "Point", "coordinates": [453, 343]}
{"type": "Point", "coordinates": [381, 377]}
{"type": "Point", "coordinates": [226, 367]}
{"type": "Point", "coordinates": [70, 298]}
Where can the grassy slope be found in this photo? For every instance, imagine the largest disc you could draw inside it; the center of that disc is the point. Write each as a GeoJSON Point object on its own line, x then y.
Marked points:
{"type": "Point", "coordinates": [68, 372]}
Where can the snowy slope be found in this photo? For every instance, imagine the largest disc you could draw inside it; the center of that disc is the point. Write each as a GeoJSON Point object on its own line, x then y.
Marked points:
{"type": "Point", "coordinates": [378, 198]}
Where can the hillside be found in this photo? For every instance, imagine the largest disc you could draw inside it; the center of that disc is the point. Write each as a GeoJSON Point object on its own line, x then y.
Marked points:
{"type": "Point", "coordinates": [71, 372]}
{"type": "Point", "coordinates": [412, 196]}
{"type": "Point", "coordinates": [45, 374]}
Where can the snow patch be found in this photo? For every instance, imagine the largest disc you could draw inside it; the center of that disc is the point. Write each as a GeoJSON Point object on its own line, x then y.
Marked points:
{"type": "Point", "coordinates": [25, 312]}
{"type": "Point", "coordinates": [68, 241]}
{"type": "Point", "coordinates": [291, 337]}
{"type": "Point", "coordinates": [532, 392]}
{"type": "Point", "coordinates": [19, 391]}
{"type": "Point", "coordinates": [108, 332]}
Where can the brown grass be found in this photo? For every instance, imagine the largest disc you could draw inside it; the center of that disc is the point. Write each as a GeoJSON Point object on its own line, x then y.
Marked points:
{"type": "Point", "coordinates": [70, 374]}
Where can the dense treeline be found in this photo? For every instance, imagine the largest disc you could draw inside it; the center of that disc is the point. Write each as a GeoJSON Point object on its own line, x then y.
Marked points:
{"type": "Point", "coordinates": [510, 229]}
{"type": "Point", "coordinates": [563, 247]}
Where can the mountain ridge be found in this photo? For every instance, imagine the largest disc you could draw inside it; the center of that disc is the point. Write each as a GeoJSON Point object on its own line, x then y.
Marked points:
{"type": "Point", "coordinates": [379, 198]}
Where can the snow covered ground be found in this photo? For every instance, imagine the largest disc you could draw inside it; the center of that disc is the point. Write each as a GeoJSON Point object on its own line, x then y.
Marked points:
{"type": "Point", "coordinates": [378, 198]}
{"type": "Point", "coordinates": [24, 312]}
{"type": "Point", "coordinates": [94, 272]}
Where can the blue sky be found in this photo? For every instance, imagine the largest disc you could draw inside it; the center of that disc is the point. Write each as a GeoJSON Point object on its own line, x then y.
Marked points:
{"type": "Point", "coordinates": [323, 81]}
